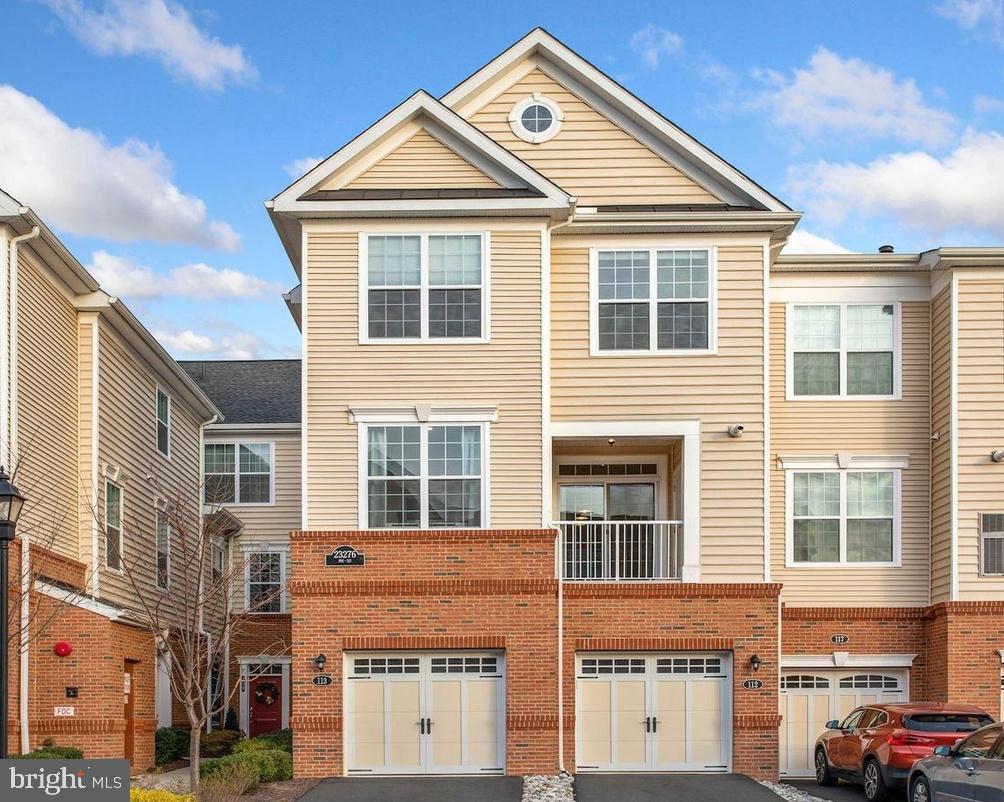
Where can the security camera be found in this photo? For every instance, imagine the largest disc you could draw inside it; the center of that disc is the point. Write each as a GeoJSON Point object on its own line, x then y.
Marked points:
{"type": "Point", "coordinates": [736, 430]}
{"type": "Point", "coordinates": [998, 455]}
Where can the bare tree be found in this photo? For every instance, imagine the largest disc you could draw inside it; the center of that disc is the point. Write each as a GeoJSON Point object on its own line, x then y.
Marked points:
{"type": "Point", "coordinates": [195, 621]}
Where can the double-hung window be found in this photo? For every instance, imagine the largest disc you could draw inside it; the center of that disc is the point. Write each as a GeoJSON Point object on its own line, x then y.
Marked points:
{"type": "Point", "coordinates": [656, 300]}
{"type": "Point", "coordinates": [992, 545]}
{"type": "Point", "coordinates": [238, 473]}
{"type": "Point", "coordinates": [425, 475]}
{"type": "Point", "coordinates": [113, 526]}
{"type": "Point", "coordinates": [424, 287]}
{"type": "Point", "coordinates": [163, 423]}
{"type": "Point", "coordinates": [843, 350]}
{"type": "Point", "coordinates": [843, 517]}
{"type": "Point", "coordinates": [266, 574]}
{"type": "Point", "coordinates": [163, 550]}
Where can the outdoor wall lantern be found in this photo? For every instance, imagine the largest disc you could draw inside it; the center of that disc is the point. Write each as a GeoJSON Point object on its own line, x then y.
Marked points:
{"type": "Point", "coordinates": [320, 661]}
{"type": "Point", "coordinates": [755, 662]}
{"type": "Point", "coordinates": [11, 502]}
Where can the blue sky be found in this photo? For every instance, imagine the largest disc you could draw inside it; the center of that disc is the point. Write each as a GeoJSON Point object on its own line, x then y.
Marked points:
{"type": "Point", "coordinates": [148, 133]}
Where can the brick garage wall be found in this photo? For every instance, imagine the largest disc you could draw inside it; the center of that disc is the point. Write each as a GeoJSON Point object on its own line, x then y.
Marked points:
{"type": "Point", "coordinates": [967, 635]}
{"type": "Point", "coordinates": [427, 590]}
{"type": "Point", "coordinates": [736, 618]}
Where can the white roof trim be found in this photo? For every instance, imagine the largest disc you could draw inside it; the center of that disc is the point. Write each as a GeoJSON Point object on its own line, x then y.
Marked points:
{"type": "Point", "coordinates": [449, 123]}
{"type": "Point", "coordinates": [423, 413]}
{"type": "Point", "coordinates": [847, 660]}
{"type": "Point", "coordinates": [843, 461]}
{"type": "Point", "coordinates": [691, 156]}
{"type": "Point", "coordinates": [81, 600]}
{"type": "Point", "coordinates": [279, 659]}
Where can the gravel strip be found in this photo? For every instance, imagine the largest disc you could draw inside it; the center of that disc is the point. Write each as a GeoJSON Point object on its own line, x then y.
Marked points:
{"type": "Point", "coordinates": [549, 788]}
{"type": "Point", "coordinates": [788, 792]}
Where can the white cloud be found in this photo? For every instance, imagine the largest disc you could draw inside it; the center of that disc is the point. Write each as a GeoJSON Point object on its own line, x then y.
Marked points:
{"type": "Point", "coordinates": [986, 17]}
{"type": "Point", "coordinates": [652, 43]}
{"type": "Point", "coordinates": [300, 167]}
{"type": "Point", "coordinates": [80, 182]}
{"type": "Point", "coordinates": [961, 191]}
{"type": "Point", "coordinates": [802, 241]}
{"type": "Point", "coordinates": [983, 104]}
{"type": "Point", "coordinates": [851, 96]}
{"type": "Point", "coordinates": [233, 343]}
{"type": "Point", "coordinates": [121, 277]}
{"type": "Point", "coordinates": [159, 29]}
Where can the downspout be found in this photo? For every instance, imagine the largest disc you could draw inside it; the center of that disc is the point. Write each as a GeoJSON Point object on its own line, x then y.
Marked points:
{"type": "Point", "coordinates": [546, 402]}
{"type": "Point", "coordinates": [202, 572]}
{"type": "Point", "coordinates": [12, 455]}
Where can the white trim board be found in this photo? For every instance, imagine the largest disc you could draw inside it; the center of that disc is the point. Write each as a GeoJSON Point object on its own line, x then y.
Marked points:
{"type": "Point", "coordinates": [847, 660]}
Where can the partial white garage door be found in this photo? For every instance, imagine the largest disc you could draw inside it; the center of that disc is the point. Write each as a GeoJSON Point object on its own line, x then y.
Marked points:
{"type": "Point", "coordinates": [440, 713]}
{"type": "Point", "coordinates": [810, 698]}
{"type": "Point", "coordinates": [668, 712]}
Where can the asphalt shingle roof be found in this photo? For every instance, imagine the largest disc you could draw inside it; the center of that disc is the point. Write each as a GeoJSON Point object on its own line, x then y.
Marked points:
{"type": "Point", "coordinates": [250, 391]}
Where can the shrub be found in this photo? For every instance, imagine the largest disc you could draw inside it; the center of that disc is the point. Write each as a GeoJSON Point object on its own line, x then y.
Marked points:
{"type": "Point", "coordinates": [218, 743]}
{"type": "Point", "coordinates": [280, 739]}
{"type": "Point", "coordinates": [51, 753]}
{"type": "Point", "coordinates": [252, 745]}
{"type": "Point", "coordinates": [157, 795]}
{"type": "Point", "coordinates": [230, 721]}
{"type": "Point", "coordinates": [229, 783]}
{"type": "Point", "coordinates": [171, 744]}
{"type": "Point", "coordinates": [270, 765]}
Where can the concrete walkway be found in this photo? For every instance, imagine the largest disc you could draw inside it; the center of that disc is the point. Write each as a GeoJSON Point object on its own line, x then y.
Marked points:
{"type": "Point", "coordinates": [418, 789]}
{"type": "Point", "coordinates": [670, 788]}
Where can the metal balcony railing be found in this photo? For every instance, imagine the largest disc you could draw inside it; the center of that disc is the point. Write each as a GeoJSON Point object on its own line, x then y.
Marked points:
{"type": "Point", "coordinates": [612, 551]}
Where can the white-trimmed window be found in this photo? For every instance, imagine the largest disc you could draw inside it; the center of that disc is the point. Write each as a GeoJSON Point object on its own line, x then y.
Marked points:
{"type": "Point", "coordinates": [843, 350]}
{"type": "Point", "coordinates": [536, 119]}
{"type": "Point", "coordinates": [163, 525]}
{"type": "Point", "coordinates": [424, 475]}
{"type": "Point", "coordinates": [163, 423]}
{"type": "Point", "coordinates": [992, 544]}
{"type": "Point", "coordinates": [113, 526]}
{"type": "Point", "coordinates": [653, 300]}
{"type": "Point", "coordinates": [239, 473]}
{"type": "Point", "coordinates": [218, 560]}
{"type": "Point", "coordinates": [265, 581]}
{"type": "Point", "coordinates": [843, 517]}
{"type": "Point", "coordinates": [423, 287]}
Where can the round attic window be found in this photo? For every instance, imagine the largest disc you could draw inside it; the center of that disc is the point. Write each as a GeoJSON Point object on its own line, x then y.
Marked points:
{"type": "Point", "coordinates": [536, 119]}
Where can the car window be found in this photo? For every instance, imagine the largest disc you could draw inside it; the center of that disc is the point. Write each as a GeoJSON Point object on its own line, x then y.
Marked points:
{"type": "Point", "coordinates": [853, 720]}
{"type": "Point", "coordinates": [979, 744]}
{"type": "Point", "coordinates": [868, 719]}
{"type": "Point", "coordinates": [997, 753]}
{"type": "Point", "coordinates": [946, 722]}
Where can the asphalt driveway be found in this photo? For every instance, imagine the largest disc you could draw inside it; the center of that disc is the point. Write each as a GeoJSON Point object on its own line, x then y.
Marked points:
{"type": "Point", "coordinates": [417, 789]}
{"type": "Point", "coordinates": [670, 788]}
{"type": "Point", "coordinates": [841, 792]}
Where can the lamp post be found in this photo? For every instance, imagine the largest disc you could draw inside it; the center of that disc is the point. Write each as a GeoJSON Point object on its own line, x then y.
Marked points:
{"type": "Point", "coordinates": [11, 502]}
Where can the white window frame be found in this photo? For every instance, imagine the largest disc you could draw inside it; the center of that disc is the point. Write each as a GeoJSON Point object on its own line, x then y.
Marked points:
{"type": "Point", "coordinates": [983, 538]}
{"type": "Point", "coordinates": [157, 421]}
{"type": "Point", "coordinates": [110, 483]}
{"type": "Point", "coordinates": [249, 549]}
{"type": "Point", "coordinates": [158, 516]}
{"type": "Point", "coordinates": [897, 514]}
{"type": "Point", "coordinates": [659, 478]}
{"type": "Point", "coordinates": [423, 288]}
{"type": "Point", "coordinates": [244, 441]}
{"type": "Point", "coordinates": [653, 301]}
{"type": "Point", "coordinates": [425, 426]}
{"type": "Point", "coordinates": [217, 548]}
{"type": "Point", "coordinates": [897, 352]}
{"type": "Point", "coordinates": [536, 137]}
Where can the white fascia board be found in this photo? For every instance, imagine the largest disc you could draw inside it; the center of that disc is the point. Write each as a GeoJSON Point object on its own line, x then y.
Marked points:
{"type": "Point", "coordinates": [419, 103]}
{"type": "Point", "coordinates": [825, 462]}
{"type": "Point", "coordinates": [625, 428]}
{"type": "Point", "coordinates": [692, 151]}
{"type": "Point", "coordinates": [847, 660]}
{"type": "Point", "coordinates": [251, 429]}
{"type": "Point", "coordinates": [281, 659]}
{"type": "Point", "coordinates": [78, 599]}
{"type": "Point", "coordinates": [416, 206]}
{"type": "Point", "coordinates": [423, 413]}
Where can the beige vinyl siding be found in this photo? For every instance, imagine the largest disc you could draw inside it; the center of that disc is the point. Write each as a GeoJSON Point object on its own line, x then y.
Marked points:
{"type": "Point", "coordinates": [716, 389]}
{"type": "Point", "coordinates": [859, 427]}
{"type": "Point", "coordinates": [941, 456]}
{"type": "Point", "coordinates": [591, 157]}
{"type": "Point", "coordinates": [86, 328]}
{"type": "Point", "coordinates": [422, 161]}
{"type": "Point", "coordinates": [127, 442]}
{"type": "Point", "coordinates": [506, 372]}
{"type": "Point", "coordinates": [980, 425]}
{"type": "Point", "coordinates": [46, 464]}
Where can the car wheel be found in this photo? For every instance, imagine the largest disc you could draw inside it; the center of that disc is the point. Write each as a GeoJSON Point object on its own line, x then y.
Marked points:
{"type": "Point", "coordinates": [875, 787]}
{"type": "Point", "coordinates": [823, 774]}
{"type": "Point", "coordinates": [920, 790]}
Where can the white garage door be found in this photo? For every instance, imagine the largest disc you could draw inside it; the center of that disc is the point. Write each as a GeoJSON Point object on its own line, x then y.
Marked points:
{"type": "Point", "coordinates": [668, 712]}
{"type": "Point", "coordinates": [440, 713]}
{"type": "Point", "coordinates": [810, 698]}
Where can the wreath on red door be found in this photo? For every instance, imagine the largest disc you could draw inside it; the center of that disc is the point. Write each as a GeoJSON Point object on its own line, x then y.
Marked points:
{"type": "Point", "coordinates": [266, 693]}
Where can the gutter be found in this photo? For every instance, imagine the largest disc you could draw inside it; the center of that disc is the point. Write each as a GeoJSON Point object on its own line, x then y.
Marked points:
{"type": "Point", "coordinates": [11, 388]}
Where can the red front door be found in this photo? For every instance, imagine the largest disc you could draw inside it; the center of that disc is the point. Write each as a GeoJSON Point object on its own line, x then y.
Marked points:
{"type": "Point", "coordinates": [264, 704]}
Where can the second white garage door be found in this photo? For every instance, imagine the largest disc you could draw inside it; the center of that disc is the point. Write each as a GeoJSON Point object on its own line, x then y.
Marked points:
{"type": "Point", "coordinates": [424, 713]}
{"type": "Point", "coordinates": [664, 712]}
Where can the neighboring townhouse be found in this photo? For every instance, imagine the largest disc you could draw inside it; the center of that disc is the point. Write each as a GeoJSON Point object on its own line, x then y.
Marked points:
{"type": "Point", "coordinates": [594, 479]}
{"type": "Point", "coordinates": [103, 429]}
{"type": "Point", "coordinates": [252, 465]}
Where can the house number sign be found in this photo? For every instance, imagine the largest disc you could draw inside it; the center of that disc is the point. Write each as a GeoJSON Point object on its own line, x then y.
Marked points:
{"type": "Point", "coordinates": [840, 639]}
{"type": "Point", "coordinates": [322, 679]}
{"type": "Point", "coordinates": [753, 684]}
{"type": "Point", "coordinates": [345, 555]}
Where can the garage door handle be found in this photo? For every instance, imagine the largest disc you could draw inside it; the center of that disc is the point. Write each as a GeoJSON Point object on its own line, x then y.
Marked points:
{"type": "Point", "coordinates": [648, 724]}
{"type": "Point", "coordinates": [655, 724]}
{"type": "Point", "coordinates": [421, 723]}
{"type": "Point", "coordinates": [428, 726]}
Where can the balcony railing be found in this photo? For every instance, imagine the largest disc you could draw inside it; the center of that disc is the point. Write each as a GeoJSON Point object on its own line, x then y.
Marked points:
{"type": "Point", "coordinates": [605, 551]}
